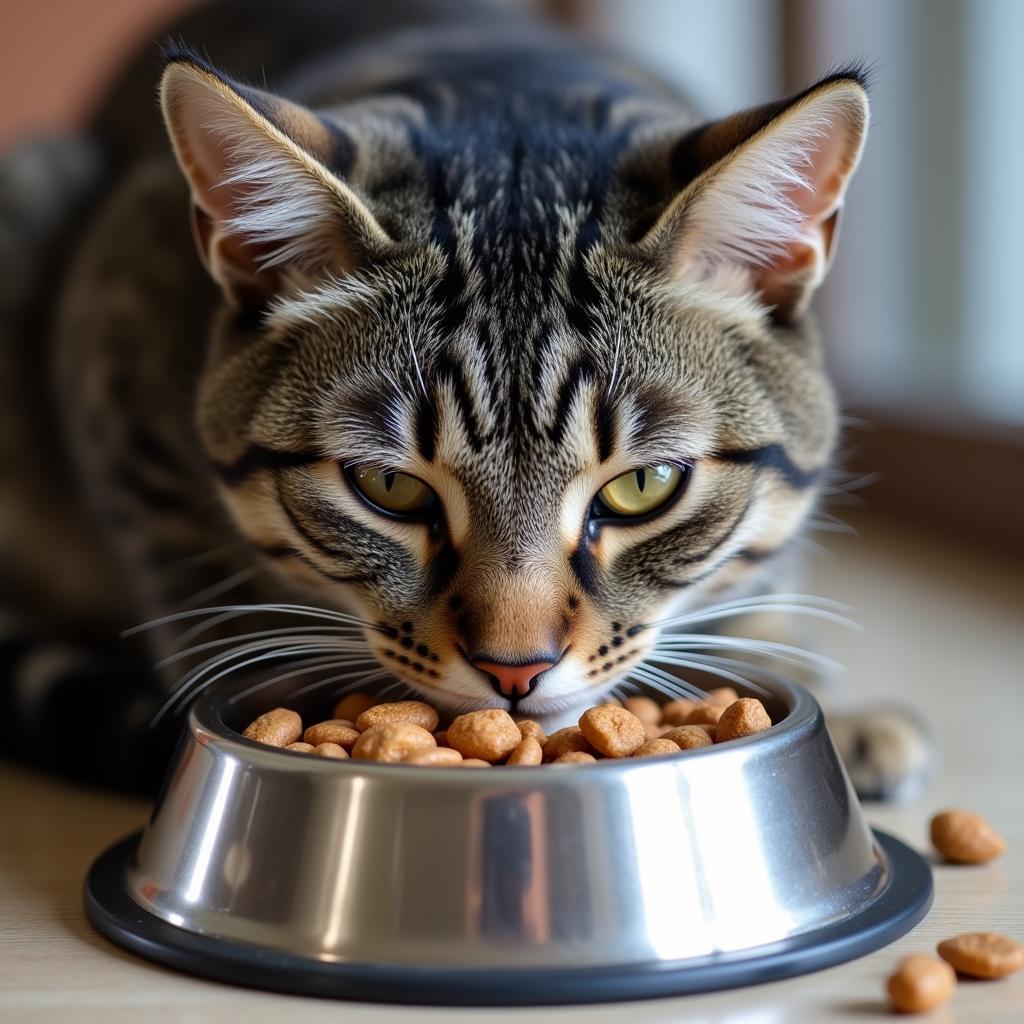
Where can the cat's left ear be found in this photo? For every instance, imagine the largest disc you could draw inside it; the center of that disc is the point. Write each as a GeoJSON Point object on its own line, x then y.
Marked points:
{"type": "Point", "coordinates": [767, 193]}
{"type": "Point", "coordinates": [266, 195]}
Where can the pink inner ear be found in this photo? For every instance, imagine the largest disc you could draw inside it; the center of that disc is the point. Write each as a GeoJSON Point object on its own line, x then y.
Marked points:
{"type": "Point", "coordinates": [786, 281]}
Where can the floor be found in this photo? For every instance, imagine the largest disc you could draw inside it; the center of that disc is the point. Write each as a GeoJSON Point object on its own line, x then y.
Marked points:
{"type": "Point", "coordinates": [944, 629]}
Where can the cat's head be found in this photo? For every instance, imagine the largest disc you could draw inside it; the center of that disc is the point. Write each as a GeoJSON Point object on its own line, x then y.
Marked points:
{"type": "Point", "coordinates": [514, 377]}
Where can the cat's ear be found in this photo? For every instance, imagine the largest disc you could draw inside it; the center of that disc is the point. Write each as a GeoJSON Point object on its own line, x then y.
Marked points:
{"type": "Point", "coordinates": [264, 195]}
{"type": "Point", "coordinates": [767, 193]}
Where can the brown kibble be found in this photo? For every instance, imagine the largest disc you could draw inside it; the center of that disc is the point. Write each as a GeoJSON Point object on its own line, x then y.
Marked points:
{"type": "Point", "coordinates": [436, 756]}
{"type": "Point", "coordinates": [576, 757]}
{"type": "Point", "coordinates": [653, 731]}
{"type": "Point", "coordinates": [275, 728]}
{"type": "Point", "coordinates": [352, 706]}
{"type": "Point", "coordinates": [441, 737]}
{"type": "Point", "coordinates": [983, 954]}
{"type": "Point", "coordinates": [529, 751]}
{"type": "Point", "coordinates": [338, 731]}
{"type": "Point", "coordinates": [724, 695]}
{"type": "Point", "coordinates": [300, 748]}
{"type": "Point", "coordinates": [474, 762]}
{"type": "Point", "coordinates": [612, 731]}
{"type": "Point", "coordinates": [656, 748]}
{"type": "Point", "coordinates": [705, 713]}
{"type": "Point", "coordinates": [920, 983]}
{"type": "Point", "coordinates": [392, 742]}
{"type": "Point", "coordinates": [565, 741]}
{"type": "Point", "coordinates": [966, 838]}
{"type": "Point", "coordinates": [529, 729]}
{"type": "Point", "coordinates": [743, 717]}
{"type": "Point", "coordinates": [647, 710]}
{"type": "Point", "coordinates": [414, 711]}
{"type": "Point", "coordinates": [332, 750]}
{"type": "Point", "coordinates": [490, 735]}
{"type": "Point", "coordinates": [689, 737]}
{"type": "Point", "coordinates": [677, 712]}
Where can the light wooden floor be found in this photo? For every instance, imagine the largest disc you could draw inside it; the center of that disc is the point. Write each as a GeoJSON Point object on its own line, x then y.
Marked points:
{"type": "Point", "coordinates": [944, 629]}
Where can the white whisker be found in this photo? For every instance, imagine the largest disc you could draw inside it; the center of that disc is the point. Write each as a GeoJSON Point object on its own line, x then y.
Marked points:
{"type": "Point", "coordinates": [244, 609]}
{"type": "Point", "coordinates": [234, 580]}
{"type": "Point", "coordinates": [751, 608]}
{"type": "Point", "coordinates": [296, 631]}
{"type": "Point", "coordinates": [366, 677]}
{"type": "Point", "coordinates": [715, 670]}
{"type": "Point", "coordinates": [681, 643]}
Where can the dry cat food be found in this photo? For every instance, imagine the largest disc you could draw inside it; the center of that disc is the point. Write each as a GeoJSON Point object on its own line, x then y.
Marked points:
{"type": "Point", "coordinates": [966, 838]}
{"type": "Point", "coordinates": [920, 983]}
{"type": "Point", "coordinates": [982, 954]}
{"type": "Point", "coordinates": [407, 731]}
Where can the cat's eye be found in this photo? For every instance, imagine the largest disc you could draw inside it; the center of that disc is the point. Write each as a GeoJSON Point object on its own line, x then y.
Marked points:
{"type": "Point", "coordinates": [641, 490]}
{"type": "Point", "coordinates": [394, 492]}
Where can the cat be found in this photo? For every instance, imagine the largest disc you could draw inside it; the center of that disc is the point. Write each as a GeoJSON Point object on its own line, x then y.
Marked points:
{"type": "Point", "coordinates": [494, 367]}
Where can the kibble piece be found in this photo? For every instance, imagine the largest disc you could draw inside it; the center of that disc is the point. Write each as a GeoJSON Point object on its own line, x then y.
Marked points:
{"type": "Point", "coordinates": [529, 729]}
{"type": "Point", "coordinates": [528, 751]}
{"type": "Point", "coordinates": [300, 748]}
{"type": "Point", "coordinates": [490, 735]}
{"type": "Point", "coordinates": [705, 713]}
{"type": "Point", "coordinates": [275, 728]}
{"type": "Point", "coordinates": [983, 954]}
{"type": "Point", "coordinates": [656, 748]}
{"type": "Point", "coordinates": [332, 750]}
{"type": "Point", "coordinates": [474, 762]}
{"type": "Point", "coordinates": [647, 710]}
{"type": "Point", "coordinates": [725, 695]}
{"type": "Point", "coordinates": [653, 731]}
{"type": "Point", "coordinates": [612, 731]}
{"type": "Point", "coordinates": [391, 742]}
{"type": "Point", "coordinates": [921, 983]}
{"type": "Point", "coordinates": [576, 757]}
{"type": "Point", "coordinates": [966, 838]}
{"type": "Point", "coordinates": [688, 737]}
{"type": "Point", "coordinates": [677, 712]}
{"type": "Point", "coordinates": [436, 756]}
{"type": "Point", "coordinates": [352, 706]}
{"type": "Point", "coordinates": [565, 741]}
{"type": "Point", "coordinates": [743, 717]}
{"type": "Point", "coordinates": [339, 731]}
{"type": "Point", "coordinates": [414, 711]}
{"type": "Point", "coordinates": [441, 736]}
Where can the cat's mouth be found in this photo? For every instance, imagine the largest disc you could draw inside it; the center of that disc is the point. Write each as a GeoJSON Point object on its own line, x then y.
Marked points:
{"type": "Point", "coordinates": [542, 690]}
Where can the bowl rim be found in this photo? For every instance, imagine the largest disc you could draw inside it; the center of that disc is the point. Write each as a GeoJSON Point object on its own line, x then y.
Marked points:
{"type": "Point", "coordinates": [207, 725]}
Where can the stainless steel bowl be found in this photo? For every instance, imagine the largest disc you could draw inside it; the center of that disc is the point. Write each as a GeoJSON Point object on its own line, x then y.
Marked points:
{"type": "Point", "coordinates": [713, 868]}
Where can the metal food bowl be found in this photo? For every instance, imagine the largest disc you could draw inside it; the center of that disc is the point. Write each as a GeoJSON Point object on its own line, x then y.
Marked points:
{"type": "Point", "coordinates": [709, 869]}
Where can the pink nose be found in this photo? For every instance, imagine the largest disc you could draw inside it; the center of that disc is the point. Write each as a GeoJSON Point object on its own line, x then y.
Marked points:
{"type": "Point", "coordinates": [513, 679]}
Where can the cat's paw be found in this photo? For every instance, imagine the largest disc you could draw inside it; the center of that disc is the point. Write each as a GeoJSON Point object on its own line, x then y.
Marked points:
{"type": "Point", "coordinates": [887, 750]}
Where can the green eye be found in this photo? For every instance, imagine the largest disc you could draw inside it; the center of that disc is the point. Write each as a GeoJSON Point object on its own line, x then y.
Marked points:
{"type": "Point", "coordinates": [394, 492]}
{"type": "Point", "coordinates": [641, 490]}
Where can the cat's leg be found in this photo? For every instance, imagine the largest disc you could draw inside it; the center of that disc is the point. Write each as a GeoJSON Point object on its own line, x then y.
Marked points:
{"type": "Point", "coordinates": [69, 700]}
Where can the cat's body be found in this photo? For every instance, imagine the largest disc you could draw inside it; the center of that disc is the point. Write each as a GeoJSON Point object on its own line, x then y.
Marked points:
{"type": "Point", "coordinates": [496, 264]}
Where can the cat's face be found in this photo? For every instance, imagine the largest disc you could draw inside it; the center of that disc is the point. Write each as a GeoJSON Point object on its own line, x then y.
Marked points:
{"type": "Point", "coordinates": [514, 454]}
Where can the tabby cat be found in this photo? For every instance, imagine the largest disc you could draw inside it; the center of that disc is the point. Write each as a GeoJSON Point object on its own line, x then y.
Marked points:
{"type": "Point", "coordinates": [495, 368]}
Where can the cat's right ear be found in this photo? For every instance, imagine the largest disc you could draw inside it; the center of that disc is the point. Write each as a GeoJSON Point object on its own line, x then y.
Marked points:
{"type": "Point", "coordinates": [267, 199]}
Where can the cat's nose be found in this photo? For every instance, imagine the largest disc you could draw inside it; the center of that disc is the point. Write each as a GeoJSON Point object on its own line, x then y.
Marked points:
{"type": "Point", "coordinates": [512, 680]}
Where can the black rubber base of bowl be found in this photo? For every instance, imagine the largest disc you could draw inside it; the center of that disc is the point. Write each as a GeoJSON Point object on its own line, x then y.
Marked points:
{"type": "Point", "coordinates": [894, 912]}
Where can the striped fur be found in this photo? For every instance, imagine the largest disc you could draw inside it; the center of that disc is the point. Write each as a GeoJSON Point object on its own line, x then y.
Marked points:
{"type": "Point", "coordinates": [508, 266]}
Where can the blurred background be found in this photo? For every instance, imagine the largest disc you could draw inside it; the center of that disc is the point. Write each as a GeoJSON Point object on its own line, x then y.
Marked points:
{"type": "Point", "coordinates": [923, 339]}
